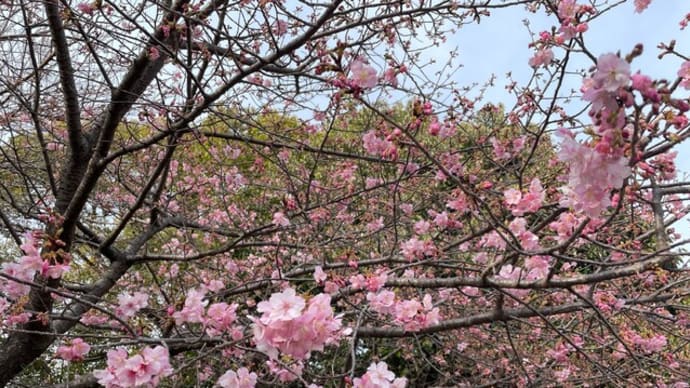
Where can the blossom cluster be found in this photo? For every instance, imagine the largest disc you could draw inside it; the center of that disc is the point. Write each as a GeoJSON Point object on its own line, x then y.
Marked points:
{"type": "Point", "coordinates": [29, 264]}
{"type": "Point", "coordinates": [293, 326]}
{"type": "Point", "coordinates": [143, 369]}
{"type": "Point", "coordinates": [378, 376]}
{"type": "Point", "coordinates": [217, 318]}
{"type": "Point", "coordinates": [130, 304]}
{"type": "Point", "coordinates": [241, 378]}
{"type": "Point", "coordinates": [570, 13]}
{"type": "Point", "coordinates": [414, 248]}
{"type": "Point", "coordinates": [410, 314]}
{"type": "Point", "coordinates": [378, 146]}
{"type": "Point", "coordinates": [75, 351]}
{"type": "Point", "coordinates": [529, 202]}
{"type": "Point", "coordinates": [592, 175]}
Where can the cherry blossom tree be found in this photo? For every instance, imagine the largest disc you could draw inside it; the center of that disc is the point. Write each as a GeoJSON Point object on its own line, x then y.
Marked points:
{"type": "Point", "coordinates": [261, 193]}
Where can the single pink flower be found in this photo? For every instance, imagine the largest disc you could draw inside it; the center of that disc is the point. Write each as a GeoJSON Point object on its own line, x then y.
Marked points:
{"type": "Point", "coordinates": [282, 306]}
{"type": "Point", "coordinates": [612, 73]}
{"type": "Point", "coordinates": [362, 74]}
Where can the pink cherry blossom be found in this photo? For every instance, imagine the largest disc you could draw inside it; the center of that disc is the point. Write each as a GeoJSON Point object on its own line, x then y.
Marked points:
{"type": "Point", "coordinates": [358, 281]}
{"type": "Point", "coordinates": [193, 310]}
{"type": "Point", "coordinates": [154, 53]}
{"type": "Point", "coordinates": [86, 8]}
{"type": "Point", "coordinates": [512, 197]}
{"type": "Point", "coordinates": [286, 373]}
{"type": "Point", "coordinates": [375, 225]}
{"type": "Point", "coordinates": [529, 240]}
{"type": "Point", "coordinates": [645, 86]}
{"type": "Point", "coordinates": [612, 73]}
{"type": "Point", "coordinates": [286, 326]}
{"type": "Point", "coordinates": [319, 275]}
{"type": "Point", "coordinates": [143, 369]}
{"type": "Point", "coordinates": [422, 227]}
{"type": "Point", "coordinates": [567, 9]}
{"type": "Point", "coordinates": [378, 376]}
{"type": "Point", "coordinates": [592, 176]}
{"type": "Point", "coordinates": [602, 90]}
{"type": "Point", "coordinates": [53, 271]}
{"type": "Point", "coordinates": [240, 379]}
{"type": "Point", "coordinates": [363, 75]}
{"type": "Point", "coordinates": [377, 146]}
{"type": "Point", "coordinates": [376, 282]}
{"type": "Point", "coordinates": [280, 27]}
{"type": "Point", "coordinates": [542, 57]}
{"type": "Point", "coordinates": [652, 344]}
{"type": "Point", "coordinates": [284, 306]}
{"type": "Point", "coordinates": [130, 304]}
{"type": "Point", "coordinates": [499, 149]}
{"type": "Point", "coordinates": [382, 302]}
{"type": "Point", "coordinates": [684, 74]}
{"type": "Point", "coordinates": [390, 76]}
{"type": "Point", "coordinates": [220, 317]}
{"type": "Point", "coordinates": [74, 351]}
{"type": "Point", "coordinates": [279, 219]}
{"type": "Point", "coordinates": [641, 5]}
{"type": "Point", "coordinates": [415, 248]}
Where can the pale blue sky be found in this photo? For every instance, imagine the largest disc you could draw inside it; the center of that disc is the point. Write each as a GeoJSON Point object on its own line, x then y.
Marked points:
{"type": "Point", "coordinates": [499, 44]}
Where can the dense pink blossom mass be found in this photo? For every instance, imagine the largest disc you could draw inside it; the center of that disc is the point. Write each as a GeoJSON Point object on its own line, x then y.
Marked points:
{"type": "Point", "coordinates": [143, 369]}
{"type": "Point", "coordinates": [266, 193]}
{"type": "Point", "coordinates": [291, 326]}
{"type": "Point", "coordinates": [592, 175]}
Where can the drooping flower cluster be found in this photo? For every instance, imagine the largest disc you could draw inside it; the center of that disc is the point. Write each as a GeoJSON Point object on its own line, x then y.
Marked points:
{"type": "Point", "coordinates": [592, 176]}
{"type": "Point", "coordinates": [293, 326]}
{"type": "Point", "coordinates": [607, 91]}
{"type": "Point", "coordinates": [378, 376]}
{"type": "Point", "coordinates": [143, 369]}
{"type": "Point", "coordinates": [646, 344]}
{"type": "Point", "coordinates": [286, 373]}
